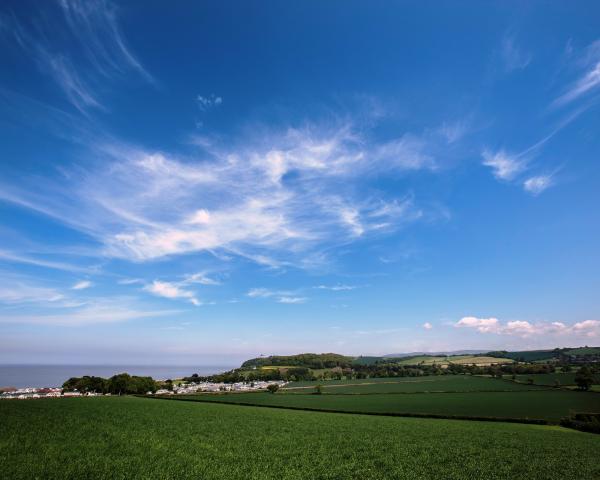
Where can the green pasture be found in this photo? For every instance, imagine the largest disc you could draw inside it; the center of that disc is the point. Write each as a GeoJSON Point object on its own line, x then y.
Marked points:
{"type": "Point", "coordinates": [431, 383]}
{"type": "Point", "coordinates": [549, 405]}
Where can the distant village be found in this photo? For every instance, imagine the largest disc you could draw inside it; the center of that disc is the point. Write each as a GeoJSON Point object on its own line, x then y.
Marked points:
{"type": "Point", "coordinates": [9, 393]}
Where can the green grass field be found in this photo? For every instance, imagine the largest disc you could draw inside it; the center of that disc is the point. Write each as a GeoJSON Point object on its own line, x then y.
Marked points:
{"type": "Point", "coordinates": [565, 378]}
{"type": "Point", "coordinates": [547, 405]}
{"type": "Point", "coordinates": [131, 438]}
{"type": "Point", "coordinates": [433, 383]}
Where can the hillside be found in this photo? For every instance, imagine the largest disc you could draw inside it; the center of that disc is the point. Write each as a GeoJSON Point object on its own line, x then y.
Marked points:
{"type": "Point", "coordinates": [305, 360]}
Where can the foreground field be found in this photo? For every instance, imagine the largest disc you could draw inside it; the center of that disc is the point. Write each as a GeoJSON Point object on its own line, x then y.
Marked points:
{"type": "Point", "coordinates": [549, 405]}
{"type": "Point", "coordinates": [124, 438]}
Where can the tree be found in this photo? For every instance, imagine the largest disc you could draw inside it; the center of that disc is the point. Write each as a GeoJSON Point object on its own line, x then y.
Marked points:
{"type": "Point", "coordinates": [273, 387]}
{"type": "Point", "coordinates": [584, 378]}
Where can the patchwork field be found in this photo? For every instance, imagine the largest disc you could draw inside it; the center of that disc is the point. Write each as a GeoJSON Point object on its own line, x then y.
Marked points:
{"type": "Point", "coordinates": [130, 438]}
{"type": "Point", "coordinates": [456, 359]}
{"type": "Point", "coordinates": [550, 405]}
{"type": "Point", "coordinates": [433, 383]}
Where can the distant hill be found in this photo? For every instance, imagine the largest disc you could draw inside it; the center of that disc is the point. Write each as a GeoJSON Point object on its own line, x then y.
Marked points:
{"type": "Point", "coordinates": [307, 360]}
{"type": "Point", "coordinates": [317, 361]}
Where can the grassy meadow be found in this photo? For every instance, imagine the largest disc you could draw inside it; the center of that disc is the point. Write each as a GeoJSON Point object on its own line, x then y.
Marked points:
{"type": "Point", "coordinates": [547, 405]}
{"type": "Point", "coordinates": [128, 437]}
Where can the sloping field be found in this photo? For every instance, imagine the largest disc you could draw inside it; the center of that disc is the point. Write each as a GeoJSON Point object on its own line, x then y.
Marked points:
{"type": "Point", "coordinates": [547, 405]}
{"type": "Point", "coordinates": [134, 438]}
{"type": "Point", "coordinates": [457, 359]}
{"type": "Point", "coordinates": [433, 383]}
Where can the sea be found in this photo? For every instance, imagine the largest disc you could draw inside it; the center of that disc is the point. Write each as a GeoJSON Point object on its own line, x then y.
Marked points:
{"type": "Point", "coordinates": [38, 376]}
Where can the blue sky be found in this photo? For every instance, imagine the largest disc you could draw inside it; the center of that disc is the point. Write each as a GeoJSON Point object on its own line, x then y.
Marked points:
{"type": "Point", "coordinates": [216, 181]}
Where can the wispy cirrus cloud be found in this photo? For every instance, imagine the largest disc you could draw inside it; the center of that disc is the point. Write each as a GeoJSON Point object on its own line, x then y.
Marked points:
{"type": "Point", "coordinates": [95, 24]}
{"type": "Point", "coordinates": [98, 50]}
{"type": "Point", "coordinates": [280, 296]}
{"type": "Point", "coordinates": [588, 80]}
{"type": "Point", "coordinates": [93, 312]}
{"type": "Point", "coordinates": [288, 201]}
{"type": "Point", "coordinates": [509, 167]}
{"type": "Point", "coordinates": [513, 55]}
{"type": "Point", "coordinates": [16, 291]}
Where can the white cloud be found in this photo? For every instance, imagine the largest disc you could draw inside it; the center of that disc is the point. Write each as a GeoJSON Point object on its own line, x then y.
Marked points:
{"type": "Point", "coordinates": [427, 326]}
{"type": "Point", "coordinates": [82, 285]}
{"type": "Point", "coordinates": [336, 288]}
{"type": "Point", "coordinates": [260, 293]}
{"type": "Point", "coordinates": [536, 185]}
{"type": "Point", "coordinates": [291, 300]}
{"type": "Point", "coordinates": [171, 290]}
{"type": "Point", "coordinates": [521, 328]}
{"type": "Point", "coordinates": [483, 325]}
{"type": "Point", "coordinates": [204, 103]}
{"type": "Point", "coordinates": [504, 166]}
{"type": "Point", "coordinates": [130, 281]}
{"type": "Point", "coordinates": [200, 277]}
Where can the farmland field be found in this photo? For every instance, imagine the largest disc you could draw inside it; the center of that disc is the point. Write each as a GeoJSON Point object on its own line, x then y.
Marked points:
{"type": "Point", "coordinates": [543, 405]}
{"type": "Point", "coordinates": [433, 383]}
{"type": "Point", "coordinates": [123, 438]}
{"type": "Point", "coordinates": [456, 359]}
{"type": "Point", "coordinates": [565, 378]}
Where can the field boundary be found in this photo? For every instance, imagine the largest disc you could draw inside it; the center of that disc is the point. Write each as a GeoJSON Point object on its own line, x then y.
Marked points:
{"type": "Point", "coordinates": [530, 421]}
{"type": "Point", "coordinates": [289, 391]}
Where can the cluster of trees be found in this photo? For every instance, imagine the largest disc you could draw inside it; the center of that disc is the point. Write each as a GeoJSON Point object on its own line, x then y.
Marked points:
{"type": "Point", "coordinates": [584, 378]}
{"type": "Point", "coordinates": [122, 383]}
{"type": "Point", "coordinates": [308, 360]}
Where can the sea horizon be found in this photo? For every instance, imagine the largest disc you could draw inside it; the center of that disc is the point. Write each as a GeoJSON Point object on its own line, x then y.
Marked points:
{"type": "Point", "coordinates": [54, 375]}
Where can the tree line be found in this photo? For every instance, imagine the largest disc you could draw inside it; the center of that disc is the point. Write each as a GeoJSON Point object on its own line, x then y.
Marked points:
{"type": "Point", "coordinates": [120, 384]}
{"type": "Point", "coordinates": [377, 370]}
